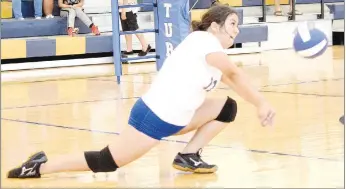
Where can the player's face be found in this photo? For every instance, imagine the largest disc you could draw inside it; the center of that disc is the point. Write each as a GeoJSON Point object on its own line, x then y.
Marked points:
{"type": "Point", "coordinates": [229, 30]}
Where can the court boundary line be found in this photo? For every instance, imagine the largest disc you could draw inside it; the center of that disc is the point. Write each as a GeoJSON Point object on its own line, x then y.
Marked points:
{"type": "Point", "coordinates": [90, 77]}
{"type": "Point", "coordinates": [271, 85]}
{"type": "Point", "coordinates": [70, 78]}
{"type": "Point", "coordinates": [221, 88]}
{"type": "Point", "coordinates": [170, 140]}
{"type": "Point", "coordinates": [274, 85]}
{"type": "Point", "coordinates": [304, 94]}
{"type": "Point", "coordinates": [136, 97]}
{"type": "Point", "coordinates": [73, 102]}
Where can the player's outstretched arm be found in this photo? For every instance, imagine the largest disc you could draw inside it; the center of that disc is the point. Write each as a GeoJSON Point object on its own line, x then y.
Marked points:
{"type": "Point", "coordinates": [238, 81]}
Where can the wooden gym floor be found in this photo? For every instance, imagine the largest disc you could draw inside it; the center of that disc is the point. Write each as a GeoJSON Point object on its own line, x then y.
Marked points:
{"type": "Point", "coordinates": [305, 148]}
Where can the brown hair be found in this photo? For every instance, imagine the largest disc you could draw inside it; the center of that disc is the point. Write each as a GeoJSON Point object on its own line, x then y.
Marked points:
{"type": "Point", "coordinates": [217, 13]}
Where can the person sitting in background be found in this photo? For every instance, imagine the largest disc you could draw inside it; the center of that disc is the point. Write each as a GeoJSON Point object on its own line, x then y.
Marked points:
{"type": "Point", "coordinates": [17, 9]}
{"type": "Point", "coordinates": [278, 11]}
{"type": "Point", "coordinates": [72, 9]}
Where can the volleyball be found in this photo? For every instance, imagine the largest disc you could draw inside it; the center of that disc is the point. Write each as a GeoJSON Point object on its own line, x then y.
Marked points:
{"type": "Point", "coordinates": [309, 42]}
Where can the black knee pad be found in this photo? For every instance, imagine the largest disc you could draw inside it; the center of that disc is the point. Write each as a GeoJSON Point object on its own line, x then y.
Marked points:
{"type": "Point", "coordinates": [100, 161]}
{"type": "Point", "coordinates": [228, 112]}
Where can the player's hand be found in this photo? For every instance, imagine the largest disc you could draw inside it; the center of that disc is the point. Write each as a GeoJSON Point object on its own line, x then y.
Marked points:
{"type": "Point", "coordinates": [266, 114]}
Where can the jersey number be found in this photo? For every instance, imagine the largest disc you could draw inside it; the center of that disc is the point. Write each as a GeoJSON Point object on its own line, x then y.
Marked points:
{"type": "Point", "coordinates": [211, 85]}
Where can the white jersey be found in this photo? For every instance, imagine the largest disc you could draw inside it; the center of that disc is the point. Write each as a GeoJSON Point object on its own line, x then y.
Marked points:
{"type": "Point", "coordinates": [181, 85]}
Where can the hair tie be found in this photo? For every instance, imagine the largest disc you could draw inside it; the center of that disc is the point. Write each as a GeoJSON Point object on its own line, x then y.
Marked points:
{"type": "Point", "coordinates": [200, 26]}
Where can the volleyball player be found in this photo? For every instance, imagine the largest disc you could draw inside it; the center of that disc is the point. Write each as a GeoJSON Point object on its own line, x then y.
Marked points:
{"type": "Point", "coordinates": [175, 104]}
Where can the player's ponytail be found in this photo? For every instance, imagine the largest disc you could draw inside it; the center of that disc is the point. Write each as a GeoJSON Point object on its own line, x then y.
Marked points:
{"type": "Point", "coordinates": [217, 13]}
{"type": "Point", "coordinates": [196, 26]}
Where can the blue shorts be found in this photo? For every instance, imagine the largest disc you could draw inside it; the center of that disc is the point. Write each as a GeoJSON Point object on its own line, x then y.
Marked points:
{"type": "Point", "coordinates": [147, 122]}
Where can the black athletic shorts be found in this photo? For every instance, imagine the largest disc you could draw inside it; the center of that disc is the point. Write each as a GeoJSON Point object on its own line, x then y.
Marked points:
{"type": "Point", "coordinates": [130, 24]}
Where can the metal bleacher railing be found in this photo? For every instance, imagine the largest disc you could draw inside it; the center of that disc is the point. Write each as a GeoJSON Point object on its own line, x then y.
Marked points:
{"type": "Point", "coordinates": [116, 35]}
{"type": "Point", "coordinates": [293, 16]}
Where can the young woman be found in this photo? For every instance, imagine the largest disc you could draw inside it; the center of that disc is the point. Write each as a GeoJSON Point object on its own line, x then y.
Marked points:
{"type": "Point", "coordinates": [128, 20]}
{"type": "Point", "coordinates": [175, 104]}
{"type": "Point", "coordinates": [72, 9]}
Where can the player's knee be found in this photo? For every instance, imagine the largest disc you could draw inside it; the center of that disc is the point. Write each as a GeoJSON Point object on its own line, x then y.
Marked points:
{"type": "Point", "coordinates": [100, 161]}
{"type": "Point", "coordinates": [228, 111]}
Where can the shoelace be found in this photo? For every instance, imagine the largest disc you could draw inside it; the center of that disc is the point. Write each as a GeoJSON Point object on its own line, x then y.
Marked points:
{"type": "Point", "coordinates": [199, 152]}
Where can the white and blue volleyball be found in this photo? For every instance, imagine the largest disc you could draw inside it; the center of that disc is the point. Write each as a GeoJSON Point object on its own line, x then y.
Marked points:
{"type": "Point", "coordinates": [309, 42]}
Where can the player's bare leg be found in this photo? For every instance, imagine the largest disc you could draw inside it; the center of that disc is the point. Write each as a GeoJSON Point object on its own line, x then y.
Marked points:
{"type": "Point", "coordinates": [209, 120]}
{"type": "Point", "coordinates": [124, 150]}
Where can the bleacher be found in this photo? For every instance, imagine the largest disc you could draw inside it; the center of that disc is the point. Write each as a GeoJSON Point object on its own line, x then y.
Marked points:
{"type": "Point", "coordinates": [260, 29]}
